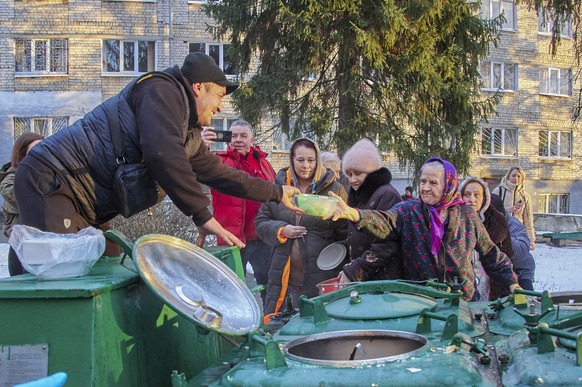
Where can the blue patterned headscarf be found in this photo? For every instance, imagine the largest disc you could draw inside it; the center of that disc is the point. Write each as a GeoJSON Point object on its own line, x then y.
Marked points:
{"type": "Point", "coordinates": [450, 198]}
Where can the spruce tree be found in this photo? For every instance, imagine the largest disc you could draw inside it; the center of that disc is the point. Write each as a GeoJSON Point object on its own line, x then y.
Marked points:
{"type": "Point", "coordinates": [403, 73]}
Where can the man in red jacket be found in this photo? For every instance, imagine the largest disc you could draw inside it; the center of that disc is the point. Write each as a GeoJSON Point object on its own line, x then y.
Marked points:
{"type": "Point", "coordinates": [238, 215]}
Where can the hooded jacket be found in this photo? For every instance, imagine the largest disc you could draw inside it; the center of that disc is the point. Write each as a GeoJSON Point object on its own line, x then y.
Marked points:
{"type": "Point", "coordinates": [302, 251]}
{"type": "Point", "coordinates": [159, 125]}
{"type": "Point", "coordinates": [511, 194]}
{"type": "Point", "coordinates": [371, 258]}
{"type": "Point", "coordinates": [234, 214]}
{"type": "Point", "coordinates": [9, 207]}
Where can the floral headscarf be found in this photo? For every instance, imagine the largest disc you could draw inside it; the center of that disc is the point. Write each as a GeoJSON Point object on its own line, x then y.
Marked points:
{"type": "Point", "coordinates": [450, 198]}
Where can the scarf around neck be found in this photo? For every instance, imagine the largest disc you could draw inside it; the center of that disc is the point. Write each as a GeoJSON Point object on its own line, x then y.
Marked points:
{"type": "Point", "coordinates": [450, 198]}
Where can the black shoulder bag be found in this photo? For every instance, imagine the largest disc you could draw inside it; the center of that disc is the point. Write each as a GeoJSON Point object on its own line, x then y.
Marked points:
{"type": "Point", "coordinates": [134, 188]}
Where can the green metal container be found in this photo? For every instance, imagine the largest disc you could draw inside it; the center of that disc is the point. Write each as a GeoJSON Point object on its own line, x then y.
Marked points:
{"type": "Point", "coordinates": [105, 329]}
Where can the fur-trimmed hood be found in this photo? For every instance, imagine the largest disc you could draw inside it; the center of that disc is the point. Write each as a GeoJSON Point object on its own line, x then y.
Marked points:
{"type": "Point", "coordinates": [371, 183]}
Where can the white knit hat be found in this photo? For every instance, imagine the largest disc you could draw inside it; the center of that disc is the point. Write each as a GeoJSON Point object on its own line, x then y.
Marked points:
{"type": "Point", "coordinates": [362, 156]}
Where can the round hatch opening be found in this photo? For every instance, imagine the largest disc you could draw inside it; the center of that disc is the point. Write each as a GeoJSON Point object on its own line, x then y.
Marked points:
{"type": "Point", "coordinates": [355, 348]}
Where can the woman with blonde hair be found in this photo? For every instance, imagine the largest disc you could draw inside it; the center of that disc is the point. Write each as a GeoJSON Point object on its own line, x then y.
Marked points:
{"type": "Point", "coordinates": [517, 201]}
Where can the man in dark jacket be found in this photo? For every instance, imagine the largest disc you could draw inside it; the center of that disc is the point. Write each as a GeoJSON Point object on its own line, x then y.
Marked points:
{"type": "Point", "coordinates": [67, 183]}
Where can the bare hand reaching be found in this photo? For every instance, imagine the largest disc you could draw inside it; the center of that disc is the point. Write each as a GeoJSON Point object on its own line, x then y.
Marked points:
{"type": "Point", "coordinates": [287, 199]}
{"type": "Point", "coordinates": [213, 227]}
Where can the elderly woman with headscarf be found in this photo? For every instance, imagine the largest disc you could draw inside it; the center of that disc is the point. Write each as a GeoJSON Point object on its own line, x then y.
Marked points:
{"type": "Point", "coordinates": [437, 233]}
{"type": "Point", "coordinates": [370, 258]}
{"type": "Point", "coordinates": [517, 202]}
{"type": "Point", "coordinates": [475, 193]}
{"type": "Point", "coordinates": [297, 240]}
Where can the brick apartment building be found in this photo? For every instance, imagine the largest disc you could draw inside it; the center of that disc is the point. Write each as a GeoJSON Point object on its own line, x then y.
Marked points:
{"type": "Point", "coordinates": [60, 58]}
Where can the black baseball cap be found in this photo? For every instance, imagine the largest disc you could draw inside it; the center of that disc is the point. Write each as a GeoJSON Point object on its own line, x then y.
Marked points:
{"type": "Point", "coordinates": [199, 67]}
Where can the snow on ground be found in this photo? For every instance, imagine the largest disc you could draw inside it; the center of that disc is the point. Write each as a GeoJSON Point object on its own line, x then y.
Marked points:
{"type": "Point", "coordinates": [557, 268]}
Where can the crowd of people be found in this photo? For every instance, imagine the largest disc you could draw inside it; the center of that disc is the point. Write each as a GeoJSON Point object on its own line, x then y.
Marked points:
{"type": "Point", "coordinates": [450, 232]}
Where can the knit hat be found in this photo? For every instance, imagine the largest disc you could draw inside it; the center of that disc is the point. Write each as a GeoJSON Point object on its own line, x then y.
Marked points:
{"type": "Point", "coordinates": [363, 156]}
{"type": "Point", "coordinates": [199, 67]}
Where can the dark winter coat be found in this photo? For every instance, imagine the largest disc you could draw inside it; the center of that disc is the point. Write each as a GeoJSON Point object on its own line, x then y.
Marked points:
{"type": "Point", "coordinates": [371, 258]}
{"type": "Point", "coordinates": [320, 233]}
{"type": "Point", "coordinates": [159, 124]}
{"type": "Point", "coordinates": [524, 264]}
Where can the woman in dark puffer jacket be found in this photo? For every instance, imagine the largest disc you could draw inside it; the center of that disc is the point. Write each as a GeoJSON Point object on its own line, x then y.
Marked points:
{"type": "Point", "coordinates": [297, 240]}
{"type": "Point", "coordinates": [370, 258]}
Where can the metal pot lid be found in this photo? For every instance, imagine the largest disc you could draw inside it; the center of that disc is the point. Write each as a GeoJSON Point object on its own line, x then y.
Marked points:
{"type": "Point", "coordinates": [379, 306]}
{"type": "Point", "coordinates": [196, 284]}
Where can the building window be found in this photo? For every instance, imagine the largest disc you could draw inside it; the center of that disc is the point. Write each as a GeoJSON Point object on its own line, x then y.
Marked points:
{"type": "Point", "coordinates": [45, 126]}
{"type": "Point", "coordinates": [492, 9]}
{"type": "Point", "coordinates": [41, 56]}
{"type": "Point", "coordinates": [554, 203]}
{"type": "Point", "coordinates": [220, 53]}
{"type": "Point", "coordinates": [499, 142]}
{"type": "Point", "coordinates": [555, 144]}
{"type": "Point", "coordinates": [499, 76]}
{"type": "Point", "coordinates": [556, 81]}
{"type": "Point", "coordinates": [221, 124]}
{"type": "Point", "coordinates": [128, 56]}
{"type": "Point", "coordinates": [546, 24]}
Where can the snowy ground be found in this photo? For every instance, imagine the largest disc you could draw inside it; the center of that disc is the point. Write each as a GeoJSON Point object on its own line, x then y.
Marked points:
{"type": "Point", "coordinates": [556, 267]}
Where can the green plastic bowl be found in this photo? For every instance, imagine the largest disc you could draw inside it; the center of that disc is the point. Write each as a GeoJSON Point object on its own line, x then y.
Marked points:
{"type": "Point", "coordinates": [316, 205]}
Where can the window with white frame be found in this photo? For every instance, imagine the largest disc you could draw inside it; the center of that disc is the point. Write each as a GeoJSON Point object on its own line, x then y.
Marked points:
{"type": "Point", "coordinates": [41, 56]}
{"type": "Point", "coordinates": [221, 124]}
{"type": "Point", "coordinates": [554, 203]}
{"type": "Point", "coordinates": [492, 9]}
{"type": "Point", "coordinates": [555, 81]}
{"type": "Point", "coordinates": [220, 53]}
{"type": "Point", "coordinates": [555, 144]}
{"type": "Point", "coordinates": [499, 76]}
{"type": "Point", "coordinates": [128, 56]}
{"type": "Point", "coordinates": [45, 126]}
{"type": "Point", "coordinates": [499, 142]}
{"type": "Point", "coordinates": [546, 23]}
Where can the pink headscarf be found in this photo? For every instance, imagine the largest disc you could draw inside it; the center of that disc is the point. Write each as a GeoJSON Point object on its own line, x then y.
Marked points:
{"type": "Point", "coordinates": [449, 199]}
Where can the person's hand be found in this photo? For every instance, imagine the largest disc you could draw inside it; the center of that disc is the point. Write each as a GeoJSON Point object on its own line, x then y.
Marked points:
{"type": "Point", "coordinates": [213, 227]}
{"type": "Point", "coordinates": [201, 237]}
{"type": "Point", "coordinates": [343, 279]}
{"type": "Point", "coordinates": [343, 211]}
{"type": "Point", "coordinates": [208, 136]}
{"type": "Point", "coordinates": [532, 245]}
{"type": "Point", "coordinates": [293, 232]}
{"type": "Point", "coordinates": [287, 199]}
{"type": "Point", "coordinates": [514, 209]}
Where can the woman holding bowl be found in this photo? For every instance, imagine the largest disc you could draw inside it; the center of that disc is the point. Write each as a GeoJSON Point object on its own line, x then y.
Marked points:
{"type": "Point", "coordinates": [437, 232]}
{"type": "Point", "coordinates": [297, 240]}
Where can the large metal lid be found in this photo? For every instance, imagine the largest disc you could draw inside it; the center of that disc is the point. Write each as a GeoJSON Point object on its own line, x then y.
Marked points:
{"type": "Point", "coordinates": [196, 284]}
{"type": "Point", "coordinates": [380, 306]}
